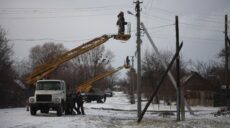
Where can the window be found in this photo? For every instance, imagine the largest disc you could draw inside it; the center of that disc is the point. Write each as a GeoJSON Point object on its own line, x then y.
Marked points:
{"type": "Point", "coordinates": [48, 86]}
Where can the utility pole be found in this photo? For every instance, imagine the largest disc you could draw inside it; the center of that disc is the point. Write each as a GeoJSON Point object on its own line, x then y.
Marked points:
{"type": "Point", "coordinates": [132, 71]}
{"type": "Point", "coordinates": [137, 8]}
{"type": "Point", "coordinates": [165, 66]}
{"type": "Point", "coordinates": [180, 87]}
{"type": "Point", "coordinates": [178, 71]}
{"type": "Point", "coordinates": [226, 50]}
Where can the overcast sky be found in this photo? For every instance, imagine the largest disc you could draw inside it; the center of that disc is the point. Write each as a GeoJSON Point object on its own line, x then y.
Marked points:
{"type": "Point", "coordinates": [72, 22]}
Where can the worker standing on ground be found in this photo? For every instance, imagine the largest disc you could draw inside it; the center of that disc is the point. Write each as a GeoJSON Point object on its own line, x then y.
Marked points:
{"type": "Point", "coordinates": [70, 104]}
{"type": "Point", "coordinates": [80, 103]}
{"type": "Point", "coordinates": [121, 23]}
{"type": "Point", "coordinates": [127, 61]}
{"type": "Point", "coordinates": [74, 107]}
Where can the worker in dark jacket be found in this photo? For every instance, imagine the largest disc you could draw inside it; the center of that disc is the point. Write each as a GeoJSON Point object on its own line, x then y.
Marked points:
{"type": "Point", "coordinates": [121, 23]}
{"type": "Point", "coordinates": [74, 107]}
{"type": "Point", "coordinates": [70, 104]}
{"type": "Point", "coordinates": [80, 103]}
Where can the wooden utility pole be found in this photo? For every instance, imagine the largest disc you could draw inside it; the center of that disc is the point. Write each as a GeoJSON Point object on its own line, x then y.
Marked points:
{"type": "Point", "coordinates": [137, 8]}
{"type": "Point", "coordinates": [226, 50]}
{"type": "Point", "coordinates": [178, 71]}
{"type": "Point", "coordinates": [180, 87]}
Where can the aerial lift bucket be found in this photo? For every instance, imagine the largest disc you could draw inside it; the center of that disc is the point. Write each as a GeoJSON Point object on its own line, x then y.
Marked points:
{"type": "Point", "coordinates": [126, 36]}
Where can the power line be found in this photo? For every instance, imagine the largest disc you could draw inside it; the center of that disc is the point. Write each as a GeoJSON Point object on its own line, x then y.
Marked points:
{"type": "Point", "coordinates": [194, 26]}
{"type": "Point", "coordinates": [206, 39]}
{"type": "Point", "coordinates": [158, 18]}
{"type": "Point", "coordinates": [51, 17]}
{"type": "Point", "coordinates": [3, 12]}
{"type": "Point", "coordinates": [172, 13]}
{"type": "Point", "coordinates": [84, 8]}
{"type": "Point", "coordinates": [162, 26]}
{"type": "Point", "coordinates": [16, 11]}
{"type": "Point", "coordinates": [212, 41]}
{"type": "Point", "coordinates": [45, 39]}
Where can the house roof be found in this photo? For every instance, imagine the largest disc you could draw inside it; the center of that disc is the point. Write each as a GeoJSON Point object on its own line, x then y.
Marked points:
{"type": "Point", "coordinates": [195, 81]}
{"type": "Point", "coordinates": [185, 79]}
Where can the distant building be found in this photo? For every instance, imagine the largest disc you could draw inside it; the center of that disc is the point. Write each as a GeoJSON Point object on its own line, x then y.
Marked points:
{"type": "Point", "coordinates": [117, 88]}
{"type": "Point", "coordinates": [197, 90]}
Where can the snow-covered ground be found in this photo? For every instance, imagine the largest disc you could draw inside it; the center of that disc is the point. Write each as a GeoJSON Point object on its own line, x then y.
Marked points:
{"type": "Point", "coordinates": [116, 112]}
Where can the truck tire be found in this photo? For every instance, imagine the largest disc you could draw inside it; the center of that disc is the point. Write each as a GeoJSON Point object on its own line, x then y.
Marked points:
{"type": "Point", "coordinates": [60, 110]}
{"type": "Point", "coordinates": [33, 111]}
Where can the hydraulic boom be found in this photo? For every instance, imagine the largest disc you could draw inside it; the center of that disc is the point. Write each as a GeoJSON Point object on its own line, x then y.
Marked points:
{"type": "Point", "coordinates": [45, 69]}
{"type": "Point", "coordinates": [86, 86]}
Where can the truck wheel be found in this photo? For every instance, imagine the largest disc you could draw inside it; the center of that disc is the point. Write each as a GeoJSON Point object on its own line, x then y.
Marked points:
{"type": "Point", "coordinates": [33, 111]}
{"type": "Point", "coordinates": [60, 110]}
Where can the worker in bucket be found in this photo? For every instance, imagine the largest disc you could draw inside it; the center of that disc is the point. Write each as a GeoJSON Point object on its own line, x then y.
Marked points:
{"type": "Point", "coordinates": [121, 23]}
{"type": "Point", "coordinates": [80, 103]}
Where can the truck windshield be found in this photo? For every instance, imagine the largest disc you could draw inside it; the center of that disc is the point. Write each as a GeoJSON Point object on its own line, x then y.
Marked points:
{"type": "Point", "coordinates": [48, 86]}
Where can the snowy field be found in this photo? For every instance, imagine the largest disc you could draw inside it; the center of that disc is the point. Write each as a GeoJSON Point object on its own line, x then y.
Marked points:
{"type": "Point", "coordinates": [115, 113]}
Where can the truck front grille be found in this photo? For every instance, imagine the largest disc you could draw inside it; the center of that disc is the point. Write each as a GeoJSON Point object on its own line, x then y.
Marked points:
{"type": "Point", "coordinates": [44, 98]}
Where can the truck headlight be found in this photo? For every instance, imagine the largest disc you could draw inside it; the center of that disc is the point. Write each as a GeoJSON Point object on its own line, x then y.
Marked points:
{"type": "Point", "coordinates": [31, 100]}
{"type": "Point", "coordinates": [58, 100]}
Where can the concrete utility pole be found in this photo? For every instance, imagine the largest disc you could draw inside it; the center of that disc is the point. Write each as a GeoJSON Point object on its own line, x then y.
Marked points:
{"type": "Point", "coordinates": [226, 50]}
{"type": "Point", "coordinates": [132, 71]}
{"type": "Point", "coordinates": [137, 8]}
{"type": "Point", "coordinates": [165, 66]}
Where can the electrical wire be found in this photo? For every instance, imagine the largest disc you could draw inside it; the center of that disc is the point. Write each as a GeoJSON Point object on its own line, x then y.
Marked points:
{"type": "Point", "coordinates": [199, 27]}
{"type": "Point", "coordinates": [167, 12]}
{"type": "Point", "coordinates": [45, 39]}
{"type": "Point", "coordinates": [83, 8]}
{"type": "Point", "coordinates": [54, 17]}
{"type": "Point", "coordinates": [32, 11]}
{"type": "Point", "coordinates": [57, 12]}
{"type": "Point", "coordinates": [162, 19]}
{"type": "Point", "coordinates": [162, 26]}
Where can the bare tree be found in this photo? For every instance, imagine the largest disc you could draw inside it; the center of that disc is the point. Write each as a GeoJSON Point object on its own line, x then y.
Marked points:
{"type": "Point", "coordinates": [92, 63]}
{"type": "Point", "coordinates": [41, 54]}
{"type": "Point", "coordinates": [221, 55]}
{"type": "Point", "coordinates": [22, 68]}
{"type": "Point", "coordinates": [152, 71]}
{"type": "Point", "coordinates": [205, 69]}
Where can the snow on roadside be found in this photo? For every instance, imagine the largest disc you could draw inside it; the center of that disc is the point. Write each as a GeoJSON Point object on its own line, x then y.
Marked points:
{"type": "Point", "coordinates": [116, 112]}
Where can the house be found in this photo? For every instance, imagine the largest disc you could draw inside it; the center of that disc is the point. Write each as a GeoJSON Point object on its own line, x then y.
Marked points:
{"type": "Point", "coordinates": [197, 90]}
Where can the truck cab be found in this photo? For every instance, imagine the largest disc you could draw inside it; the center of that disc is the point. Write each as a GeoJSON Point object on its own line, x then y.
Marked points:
{"type": "Point", "coordinates": [49, 95]}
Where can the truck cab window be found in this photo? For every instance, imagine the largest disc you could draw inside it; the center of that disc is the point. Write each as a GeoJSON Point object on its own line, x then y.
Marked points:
{"type": "Point", "coordinates": [48, 86]}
